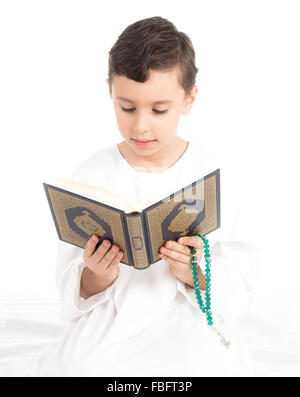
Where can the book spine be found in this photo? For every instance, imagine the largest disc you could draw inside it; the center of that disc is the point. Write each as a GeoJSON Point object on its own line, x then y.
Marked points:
{"type": "Point", "coordinates": [137, 240]}
{"type": "Point", "coordinates": [148, 243]}
{"type": "Point", "coordinates": [127, 241]}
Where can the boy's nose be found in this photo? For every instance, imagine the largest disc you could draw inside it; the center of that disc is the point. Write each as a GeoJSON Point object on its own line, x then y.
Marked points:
{"type": "Point", "coordinates": [140, 131]}
{"type": "Point", "coordinates": [141, 125]}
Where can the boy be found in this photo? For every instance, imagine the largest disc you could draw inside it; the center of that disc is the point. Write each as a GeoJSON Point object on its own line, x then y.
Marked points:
{"type": "Point", "coordinates": [125, 322]}
{"type": "Point", "coordinates": [150, 142]}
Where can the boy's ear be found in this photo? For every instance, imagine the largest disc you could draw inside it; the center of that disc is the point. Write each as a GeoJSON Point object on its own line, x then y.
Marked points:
{"type": "Point", "coordinates": [189, 100]}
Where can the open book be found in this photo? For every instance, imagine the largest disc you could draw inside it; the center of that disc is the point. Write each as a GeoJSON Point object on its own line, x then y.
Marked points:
{"type": "Point", "coordinates": [81, 210]}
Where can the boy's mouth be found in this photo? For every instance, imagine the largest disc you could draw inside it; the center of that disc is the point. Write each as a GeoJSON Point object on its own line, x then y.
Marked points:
{"type": "Point", "coordinates": [144, 143]}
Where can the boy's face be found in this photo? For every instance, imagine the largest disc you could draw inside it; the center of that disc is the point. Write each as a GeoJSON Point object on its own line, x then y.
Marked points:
{"type": "Point", "coordinates": [140, 118]}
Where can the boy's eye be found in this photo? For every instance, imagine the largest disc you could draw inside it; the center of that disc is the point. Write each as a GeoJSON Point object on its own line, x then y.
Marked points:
{"type": "Point", "coordinates": [154, 110]}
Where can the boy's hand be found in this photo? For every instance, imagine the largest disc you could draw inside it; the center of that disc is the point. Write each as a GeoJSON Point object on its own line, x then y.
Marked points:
{"type": "Point", "coordinates": [104, 262]}
{"type": "Point", "coordinates": [178, 255]}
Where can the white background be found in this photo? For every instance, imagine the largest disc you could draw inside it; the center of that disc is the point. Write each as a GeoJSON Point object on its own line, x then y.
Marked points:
{"type": "Point", "coordinates": [56, 111]}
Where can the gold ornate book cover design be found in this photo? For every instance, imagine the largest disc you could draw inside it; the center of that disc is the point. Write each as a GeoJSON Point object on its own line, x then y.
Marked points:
{"type": "Point", "coordinates": [193, 209]}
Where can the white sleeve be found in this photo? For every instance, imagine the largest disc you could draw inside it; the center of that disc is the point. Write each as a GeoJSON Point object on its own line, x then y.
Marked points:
{"type": "Point", "coordinates": [69, 268]}
{"type": "Point", "coordinates": [233, 273]}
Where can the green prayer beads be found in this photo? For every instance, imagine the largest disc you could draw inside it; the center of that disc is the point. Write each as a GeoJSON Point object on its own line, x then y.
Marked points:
{"type": "Point", "coordinates": [205, 308]}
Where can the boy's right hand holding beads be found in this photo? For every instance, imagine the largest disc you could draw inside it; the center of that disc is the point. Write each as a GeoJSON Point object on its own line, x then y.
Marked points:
{"type": "Point", "coordinates": [102, 266]}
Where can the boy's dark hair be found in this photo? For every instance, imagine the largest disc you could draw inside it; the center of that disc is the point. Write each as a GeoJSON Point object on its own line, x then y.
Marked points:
{"type": "Point", "coordinates": [153, 44]}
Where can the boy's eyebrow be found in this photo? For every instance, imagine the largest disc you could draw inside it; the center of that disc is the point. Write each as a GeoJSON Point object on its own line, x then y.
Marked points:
{"type": "Point", "coordinates": [154, 103]}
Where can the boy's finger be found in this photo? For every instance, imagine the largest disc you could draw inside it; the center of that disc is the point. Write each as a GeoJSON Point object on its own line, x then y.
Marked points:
{"type": "Point", "coordinates": [106, 256]}
{"type": "Point", "coordinates": [116, 260]}
{"type": "Point", "coordinates": [91, 244]}
{"type": "Point", "coordinates": [192, 241]}
{"type": "Point", "coordinates": [172, 245]}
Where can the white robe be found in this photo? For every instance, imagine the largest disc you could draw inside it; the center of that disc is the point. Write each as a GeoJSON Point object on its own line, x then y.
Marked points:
{"type": "Point", "coordinates": [148, 323]}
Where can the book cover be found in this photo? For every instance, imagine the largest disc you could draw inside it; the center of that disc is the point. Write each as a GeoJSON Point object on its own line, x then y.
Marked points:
{"type": "Point", "coordinates": [193, 209]}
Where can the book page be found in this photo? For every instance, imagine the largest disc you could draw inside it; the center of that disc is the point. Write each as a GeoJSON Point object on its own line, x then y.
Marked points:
{"type": "Point", "coordinates": [96, 193]}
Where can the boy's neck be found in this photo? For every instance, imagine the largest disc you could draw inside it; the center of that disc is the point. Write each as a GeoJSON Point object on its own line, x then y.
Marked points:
{"type": "Point", "coordinates": [157, 162]}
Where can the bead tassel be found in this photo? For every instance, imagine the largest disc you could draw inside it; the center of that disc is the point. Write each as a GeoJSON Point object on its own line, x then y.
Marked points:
{"type": "Point", "coordinates": [205, 308]}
